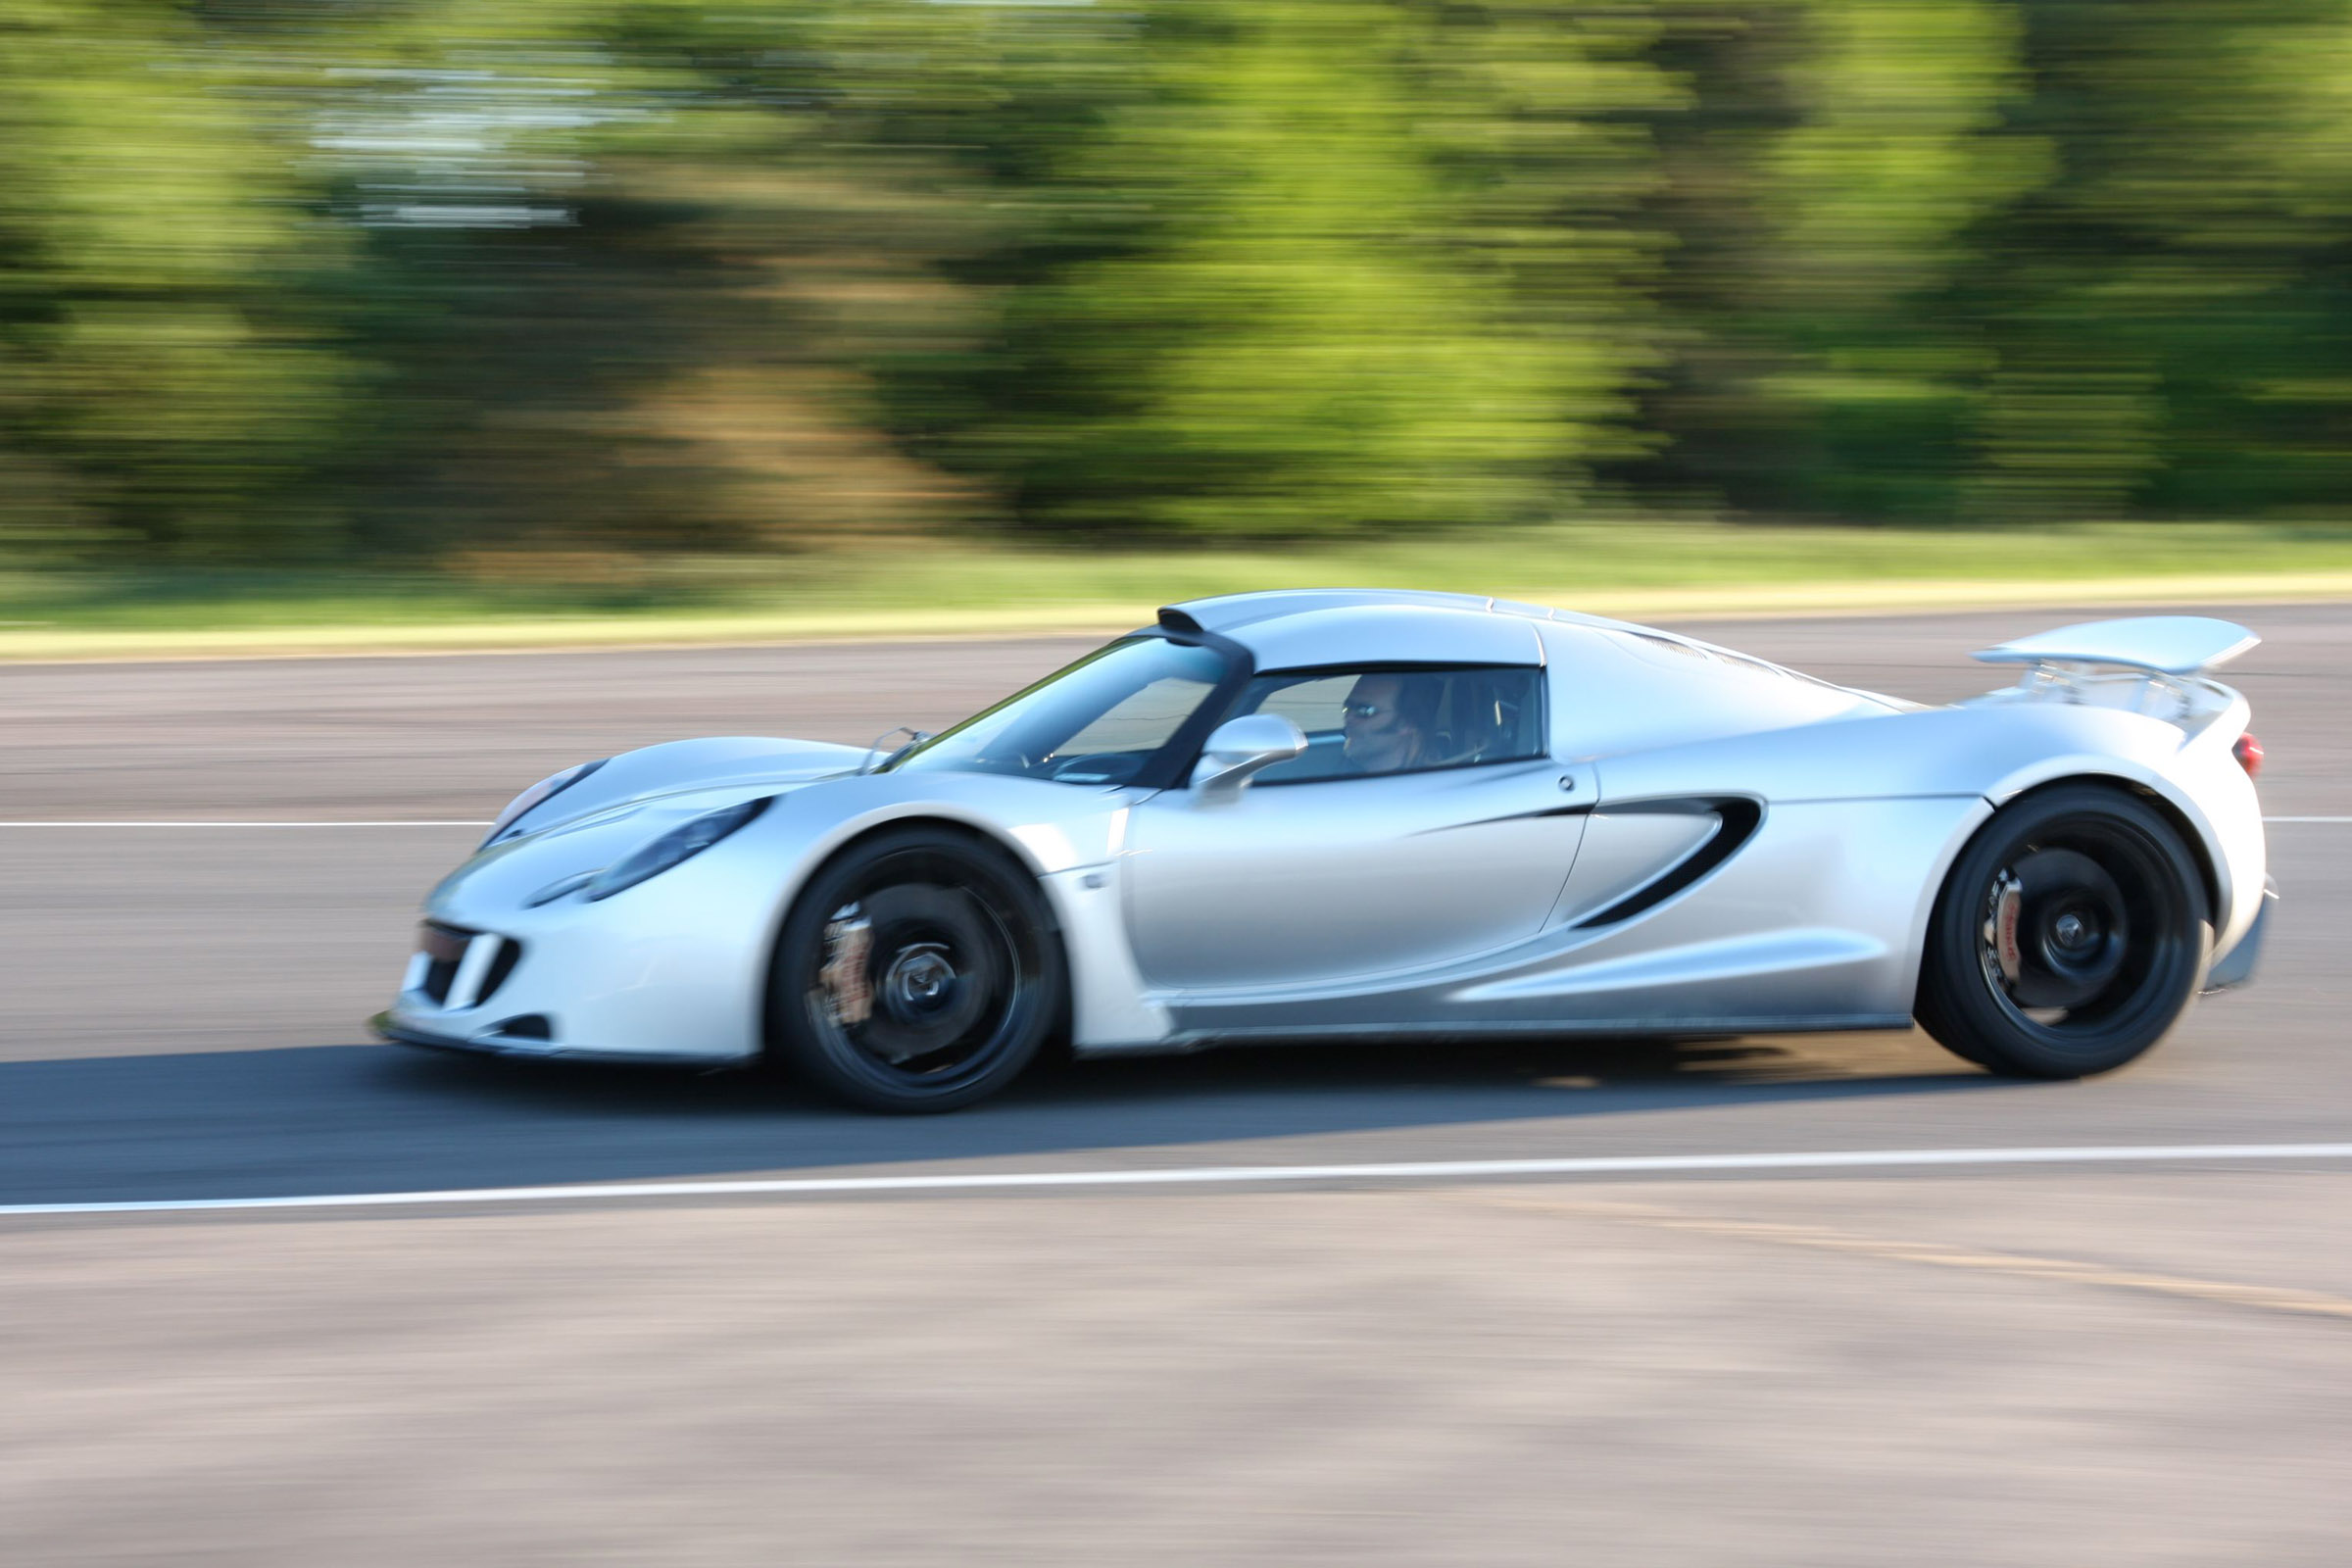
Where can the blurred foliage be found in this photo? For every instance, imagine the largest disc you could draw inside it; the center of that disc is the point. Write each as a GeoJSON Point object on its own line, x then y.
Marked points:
{"type": "Point", "coordinates": [541, 290]}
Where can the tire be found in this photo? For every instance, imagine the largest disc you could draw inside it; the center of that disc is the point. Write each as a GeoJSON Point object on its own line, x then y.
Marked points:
{"type": "Point", "coordinates": [2107, 935]}
{"type": "Point", "coordinates": [918, 971]}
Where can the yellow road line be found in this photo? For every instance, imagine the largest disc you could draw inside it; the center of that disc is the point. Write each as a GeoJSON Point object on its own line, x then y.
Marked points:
{"type": "Point", "coordinates": [2020, 1266]}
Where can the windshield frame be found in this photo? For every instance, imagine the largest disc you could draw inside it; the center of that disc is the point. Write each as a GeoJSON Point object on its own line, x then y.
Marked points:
{"type": "Point", "coordinates": [1164, 768]}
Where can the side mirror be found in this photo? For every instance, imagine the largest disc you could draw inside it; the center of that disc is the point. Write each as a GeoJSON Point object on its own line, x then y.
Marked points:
{"type": "Point", "coordinates": [1238, 747]}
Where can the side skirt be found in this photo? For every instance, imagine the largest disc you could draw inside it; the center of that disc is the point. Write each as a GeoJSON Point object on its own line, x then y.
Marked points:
{"type": "Point", "coordinates": [1205, 1036]}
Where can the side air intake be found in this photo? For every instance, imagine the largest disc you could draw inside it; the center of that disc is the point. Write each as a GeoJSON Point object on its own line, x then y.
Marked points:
{"type": "Point", "coordinates": [1737, 819]}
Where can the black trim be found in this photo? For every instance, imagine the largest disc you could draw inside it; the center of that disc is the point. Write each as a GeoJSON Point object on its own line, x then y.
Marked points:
{"type": "Point", "coordinates": [1584, 810]}
{"type": "Point", "coordinates": [502, 964]}
{"type": "Point", "coordinates": [1739, 817]}
{"type": "Point", "coordinates": [514, 828]}
{"type": "Point", "coordinates": [1171, 766]}
{"type": "Point", "coordinates": [1396, 666]}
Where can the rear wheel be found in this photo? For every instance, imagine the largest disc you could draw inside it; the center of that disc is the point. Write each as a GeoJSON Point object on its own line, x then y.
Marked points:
{"type": "Point", "coordinates": [2068, 938]}
{"type": "Point", "coordinates": [917, 972]}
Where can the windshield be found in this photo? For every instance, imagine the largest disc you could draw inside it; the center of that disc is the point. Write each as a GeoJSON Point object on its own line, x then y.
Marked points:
{"type": "Point", "coordinates": [1100, 721]}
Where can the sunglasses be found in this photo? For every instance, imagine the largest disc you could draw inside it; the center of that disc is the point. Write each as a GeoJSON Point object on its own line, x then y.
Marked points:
{"type": "Point", "coordinates": [1365, 710]}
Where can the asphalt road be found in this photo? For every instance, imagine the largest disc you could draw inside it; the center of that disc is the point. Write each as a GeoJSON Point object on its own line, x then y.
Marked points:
{"type": "Point", "coordinates": [1991, 1365]}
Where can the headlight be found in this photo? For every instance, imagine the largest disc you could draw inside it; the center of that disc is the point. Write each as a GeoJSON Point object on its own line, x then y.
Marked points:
{"type": "Point", "coordinates": [552, 785]}
{"type": "Point", "coordinates": [678, 843]}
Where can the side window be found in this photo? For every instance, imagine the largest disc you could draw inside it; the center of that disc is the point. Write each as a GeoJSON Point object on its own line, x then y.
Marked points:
{"type": "Point", "coordinates": [1362, 722]}
{"type": "Point", "coordinates": [1314, 705]}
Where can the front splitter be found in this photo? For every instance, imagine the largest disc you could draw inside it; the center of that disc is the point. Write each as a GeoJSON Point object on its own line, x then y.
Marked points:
{"type": "Point", "coordinates": [389, 1028]}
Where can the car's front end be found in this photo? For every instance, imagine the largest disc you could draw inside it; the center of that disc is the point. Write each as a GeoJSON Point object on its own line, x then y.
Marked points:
{"type": "Point", "coordinates": [623, 914]}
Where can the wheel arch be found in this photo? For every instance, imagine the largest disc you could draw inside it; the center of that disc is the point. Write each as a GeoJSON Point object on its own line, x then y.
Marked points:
{"type": "Point", "coordinates": [865, 832]}
{"type": "Point", "coordinates": [2193, 838]}
{"type": "Point", "coordinates": [2142, 783]}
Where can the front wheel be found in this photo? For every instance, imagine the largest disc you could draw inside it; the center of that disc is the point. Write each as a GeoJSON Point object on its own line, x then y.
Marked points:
{"type": "Point", "coordinates": [2070, 937]}
{"type": "Point", "coordinates": [918, 971]}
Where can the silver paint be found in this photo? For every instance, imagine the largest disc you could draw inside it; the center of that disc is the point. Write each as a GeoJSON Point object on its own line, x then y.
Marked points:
{"type": "Point", "coordinates": [1455, 900]}
{"type": "Point", "coordinates": [2169, 645]}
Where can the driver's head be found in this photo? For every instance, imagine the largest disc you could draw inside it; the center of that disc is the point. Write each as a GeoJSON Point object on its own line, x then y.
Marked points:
{"type": "Point", "coordinates": [1384, 725]}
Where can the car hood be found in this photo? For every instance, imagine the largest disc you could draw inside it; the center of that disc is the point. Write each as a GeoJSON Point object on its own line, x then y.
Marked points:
{"type": "Point", "coordinates": [731, 764]}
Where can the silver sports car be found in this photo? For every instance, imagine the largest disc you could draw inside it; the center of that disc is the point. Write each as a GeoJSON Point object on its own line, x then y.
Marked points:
{"type": "Point", "coordinates": [1383, 813]}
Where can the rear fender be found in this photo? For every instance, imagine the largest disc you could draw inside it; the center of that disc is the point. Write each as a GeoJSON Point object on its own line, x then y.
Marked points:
{"type": "Point", "coordinates": [2210, 798]}
{"type": "Point", "coordinates": [1994, 752]}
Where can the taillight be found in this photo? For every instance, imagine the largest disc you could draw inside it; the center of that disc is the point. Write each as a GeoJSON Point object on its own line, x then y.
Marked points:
{"type": "Point", "coordinates": [2248, 752]}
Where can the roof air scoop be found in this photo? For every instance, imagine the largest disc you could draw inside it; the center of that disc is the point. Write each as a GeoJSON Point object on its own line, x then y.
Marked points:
{"type": "Point", "coordinates": [1173, 619]}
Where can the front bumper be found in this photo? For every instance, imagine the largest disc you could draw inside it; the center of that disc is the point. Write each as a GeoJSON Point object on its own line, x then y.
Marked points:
{"type": "Point", "coordinates": [2236, 967]}
{"type": "Point", "coordinates": [675, 969]}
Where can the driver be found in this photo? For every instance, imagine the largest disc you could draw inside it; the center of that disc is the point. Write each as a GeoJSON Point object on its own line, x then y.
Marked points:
{"type": "Point", "coordinates": [1385, 722]}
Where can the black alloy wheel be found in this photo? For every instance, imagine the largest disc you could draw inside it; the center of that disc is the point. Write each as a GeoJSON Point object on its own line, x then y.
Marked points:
{"type": "Point", "coordinates": [918, 971]}
{"type": "Point", "coordinates": [2071, 936]}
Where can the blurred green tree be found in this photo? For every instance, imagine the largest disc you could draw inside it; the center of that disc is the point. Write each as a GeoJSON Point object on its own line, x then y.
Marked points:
{"type": "Point", "coordinates": [162, 378]}
{"type": "Point", "coordinates": [553, 286]}
{"type": "Point", "coordinates": [2169, 309]}
{"type": "Point", "coordinates": [1824, 190]}
{"type": "Point", "coordinates": [1296, 266]}
{"type": "Point", "coordinates": [617, 284]}
{"type": "Point", "coordinates": [2004, 259]}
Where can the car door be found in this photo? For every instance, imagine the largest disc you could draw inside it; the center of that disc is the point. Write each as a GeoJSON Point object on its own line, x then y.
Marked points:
{"type": "Point", "coordinates": [1327, 875]}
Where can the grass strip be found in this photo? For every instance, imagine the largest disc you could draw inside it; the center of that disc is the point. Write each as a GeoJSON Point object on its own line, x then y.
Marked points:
{"type": "Point", "coordinates": [930, 588]}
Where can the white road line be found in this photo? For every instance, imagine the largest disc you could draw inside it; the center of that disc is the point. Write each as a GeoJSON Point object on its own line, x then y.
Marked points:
{"type": "Point", "coordinates": [1220, 1176]}
{"type": "Point", "coordinates": [2308, 819]}
{"type": "Point", "coordinates": [407, 823]}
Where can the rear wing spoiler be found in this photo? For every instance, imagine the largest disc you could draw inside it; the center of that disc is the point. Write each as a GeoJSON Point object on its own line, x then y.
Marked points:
{"type": "Point", "coordinates": [2158, 645]}
{"type": "Point", "coordinates": [2135, 662]}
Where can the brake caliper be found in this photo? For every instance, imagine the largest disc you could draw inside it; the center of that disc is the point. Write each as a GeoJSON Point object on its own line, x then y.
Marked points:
{"type": "Point", "coordinates": [849, 988]}
{"type": "Point", "coordinates": [2001, 915]}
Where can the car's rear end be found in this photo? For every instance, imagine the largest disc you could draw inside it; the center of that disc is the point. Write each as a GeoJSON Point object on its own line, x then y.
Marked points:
{"type": "Point", "coordinates": [2158, 666]}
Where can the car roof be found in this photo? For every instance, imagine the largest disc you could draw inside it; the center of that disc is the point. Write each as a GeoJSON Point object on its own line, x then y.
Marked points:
{"type": "Point", "coordinates": [1631, 686]}
{"type": "Point", "coordinates": [1228, 613]}
{"type": "Point", "coordinates": [1294, 629]}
